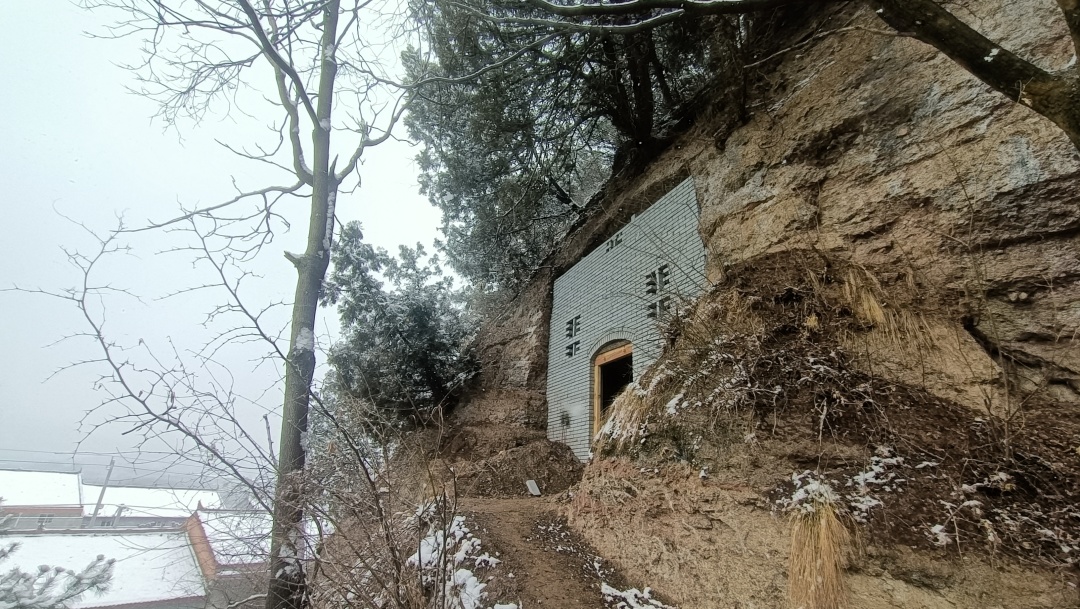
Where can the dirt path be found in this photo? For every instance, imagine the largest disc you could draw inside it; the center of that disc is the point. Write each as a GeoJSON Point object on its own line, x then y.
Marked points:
{"type": "Point", "coordinates": [548, 569]}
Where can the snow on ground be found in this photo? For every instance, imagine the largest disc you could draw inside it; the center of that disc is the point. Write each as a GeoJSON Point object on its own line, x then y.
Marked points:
{"type": "Point", "coordinates": [448, 548]}
{"type": "Point", "coordinates": [39, 488]}
{"type": "Point", "coordinates": [149, 566]}
{"type": "Point", "coordinates": [673, 404]}
{"type": "Point", "coordinates": [867, 486]}
{"type": "Point", "coordinates": [149, 502]}
{"type": "Point", "coordinates": [879, 477]}
{"type": "Point", "coordinates": [631, 598]}
{"type": "Point", "coordinates": [450, 552]}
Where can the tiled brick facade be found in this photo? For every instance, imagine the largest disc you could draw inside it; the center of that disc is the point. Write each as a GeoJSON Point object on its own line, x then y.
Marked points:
{"type": "Point", "coordinates": [620, 291]}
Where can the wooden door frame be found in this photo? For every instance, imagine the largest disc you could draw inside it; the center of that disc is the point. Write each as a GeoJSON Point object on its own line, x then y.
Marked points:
{"type": "Point", "coordinates": [619, 351]}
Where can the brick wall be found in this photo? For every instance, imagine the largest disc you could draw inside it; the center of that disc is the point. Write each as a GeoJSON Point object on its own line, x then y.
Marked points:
{"type": "Point", "coordinates": [605, 297]}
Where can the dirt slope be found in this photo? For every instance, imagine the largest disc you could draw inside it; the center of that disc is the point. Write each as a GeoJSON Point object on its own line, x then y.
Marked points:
{"type": "Point", "coordinates": [544, 577]}
{"type": "Point", "coordinates": [550, 565]}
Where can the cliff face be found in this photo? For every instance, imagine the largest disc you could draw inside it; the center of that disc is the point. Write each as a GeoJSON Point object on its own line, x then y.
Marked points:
{"type": "Point", "coordinates": [880, 152]}
{"type": "Point", "coordinates": [882, 208]}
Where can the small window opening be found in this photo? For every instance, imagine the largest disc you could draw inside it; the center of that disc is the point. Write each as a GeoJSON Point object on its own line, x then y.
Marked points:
{"type": "Point", "coordinates": [659, 309]}
{"type": "Point", "coordinates": [613, 242]}
{"type": "Point", "coordinates": [613, 370]}
{"type": "Point", "coordinates": [657, 281]}
{"type": "Point", "coordinates": [573, 326]}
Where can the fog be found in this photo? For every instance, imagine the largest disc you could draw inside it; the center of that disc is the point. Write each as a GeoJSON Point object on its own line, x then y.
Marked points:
{"type": "Point", "coordinates": [80, 149]}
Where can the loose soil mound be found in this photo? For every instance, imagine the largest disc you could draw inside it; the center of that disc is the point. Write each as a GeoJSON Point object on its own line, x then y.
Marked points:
{"type": "Point", "coordinates": [552, 465]}
{"type": "Point", "coordinates": [763, 388]}
{"type": "Point", "coordinates": [475, 442]}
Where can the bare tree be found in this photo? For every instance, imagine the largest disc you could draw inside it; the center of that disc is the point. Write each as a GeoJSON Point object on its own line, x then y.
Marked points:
{"type": "Point", "coordinates": [1053, 94]}
{"type": "Point", "coordinates": [358, 493]}
{"type": "Point", "coordinates": [317, 57]}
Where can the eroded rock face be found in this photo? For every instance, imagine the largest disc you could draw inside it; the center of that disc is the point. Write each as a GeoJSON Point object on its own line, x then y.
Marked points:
{"type": "Point", "coordinates": [881, 152]}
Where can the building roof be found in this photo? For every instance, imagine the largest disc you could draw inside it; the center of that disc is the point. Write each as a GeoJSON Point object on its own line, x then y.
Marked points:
{"type": "Point", "coordinates": [25, 488]}
{"type": "Point", "coordinates": [150, 567]}
{"type": "Point", "coordinates": [237, 537]}
{"type": "Point", "coordinates": [148, 502]}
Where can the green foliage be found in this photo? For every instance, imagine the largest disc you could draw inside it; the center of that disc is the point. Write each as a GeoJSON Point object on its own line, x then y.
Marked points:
{"type": "Point", "coordinates": [512, 153]}
{"type": "Point", "coordinates": [403, 342]}
{"type": "Point", "coordinates": [51, 587]}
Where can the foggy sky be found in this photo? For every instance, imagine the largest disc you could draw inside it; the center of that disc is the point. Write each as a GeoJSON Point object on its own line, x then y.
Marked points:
{"type": "Point", "coordinates": [75, 143]}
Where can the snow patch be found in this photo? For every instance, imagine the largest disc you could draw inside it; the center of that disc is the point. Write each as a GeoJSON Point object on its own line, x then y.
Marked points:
{"type": "Point", "coordinates": [939, 536]}
{"type": "Point", "coordinates": [673, 404]}
{"type": "Point", "coordinates": [990, 56]}
{"type": "Point", "coordinates": [331, 206]}
{"type": "Point", "coordinates": [444, 555]}
{"type": "Point", "coordinates": [305, 340]}
{"type": "Point", "coordinates": [632, 598]}
{"type": "Point", "coordinates": [810, 492]}
{"type": "Point", "coordinates": [876, 478]}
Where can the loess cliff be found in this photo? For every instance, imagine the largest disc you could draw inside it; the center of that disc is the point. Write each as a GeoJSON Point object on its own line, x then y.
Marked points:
{"type": "Point", "coordinates": [893, 310]}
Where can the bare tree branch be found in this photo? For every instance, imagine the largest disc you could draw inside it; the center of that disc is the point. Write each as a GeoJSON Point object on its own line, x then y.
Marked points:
{"type": "Point", "coordinates": [683, 7]}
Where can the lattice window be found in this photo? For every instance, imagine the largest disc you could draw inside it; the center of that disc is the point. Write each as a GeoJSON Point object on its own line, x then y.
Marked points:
{"type": "Point", "coordinates": [660, 308]}
{"type": "Point", "coordinates": [573, 327]}
{"type": "Point", "coordinates": [657, 281]}
{"type": "Point", "coordinates": [613, 242]}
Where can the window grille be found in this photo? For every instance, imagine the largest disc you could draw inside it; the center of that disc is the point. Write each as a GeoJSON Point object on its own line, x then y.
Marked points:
{"type": "Point", "coordinates": [657, 281]}
{"type": "Point", "coordinates": [573, 327]}
{"type": "Point", "coordinates": [613, 242]}
{"type": "Point", "coordinates": [660, 308]}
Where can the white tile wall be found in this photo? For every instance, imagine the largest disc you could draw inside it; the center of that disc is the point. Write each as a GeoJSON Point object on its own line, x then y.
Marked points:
{"type": "Point", "coordinates": [607, 290]}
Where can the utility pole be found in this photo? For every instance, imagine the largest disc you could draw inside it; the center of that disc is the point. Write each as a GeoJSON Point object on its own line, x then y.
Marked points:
{"type": "Point", "coordinates": [101, 495]}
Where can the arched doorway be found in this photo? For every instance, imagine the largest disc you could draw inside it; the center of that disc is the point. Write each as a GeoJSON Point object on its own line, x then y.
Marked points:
{"type": "Point", "coordinates": [612, 371]}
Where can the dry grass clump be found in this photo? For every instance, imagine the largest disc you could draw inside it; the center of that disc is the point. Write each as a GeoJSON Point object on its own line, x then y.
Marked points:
{"type": "Point", "coordinates": [629, 415]}
{"type": "Point", "coordinates": [860, 289]}
{"type": "Point", "coordinates": [889, 327]}
{"type": "Point", "coordinates": [819, 552]}
{"type": "Point", "coordinates": [699, 369]}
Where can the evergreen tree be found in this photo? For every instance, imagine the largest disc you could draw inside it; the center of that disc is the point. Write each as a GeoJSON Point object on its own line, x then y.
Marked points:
{"type": "Point", "coordinates": [512, 153]}
{"type": "Point", "coordinates": [402, 350]}
{"type": "Point", "coordinates": [51, 587]}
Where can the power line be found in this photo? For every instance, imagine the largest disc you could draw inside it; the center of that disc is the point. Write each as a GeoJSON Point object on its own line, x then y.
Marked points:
{"type": "Point", "coordinates": [123, 466]}
{"type": "Point", "coordinates": [90, 453]}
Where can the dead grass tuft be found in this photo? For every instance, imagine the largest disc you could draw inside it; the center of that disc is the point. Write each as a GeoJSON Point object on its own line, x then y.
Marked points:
{"type": "Point", "coordinates": [884, 327]}
{"type": "Point", "coordinates": [860, 289]}
{"type": "Point", "coordinates": [629, 414]}
{"type": "Point", "coordinates": [820, 546]}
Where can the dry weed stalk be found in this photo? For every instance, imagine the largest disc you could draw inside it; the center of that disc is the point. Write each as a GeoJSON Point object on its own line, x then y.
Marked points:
{"type": "Point", "coordinates": [819, 551]}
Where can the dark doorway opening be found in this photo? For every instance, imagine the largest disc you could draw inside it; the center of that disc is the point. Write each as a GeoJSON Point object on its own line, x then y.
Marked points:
{"type": "Point", "coordinates": [613, 370]}
{"type": "Point", "coordinates": [614, 377]}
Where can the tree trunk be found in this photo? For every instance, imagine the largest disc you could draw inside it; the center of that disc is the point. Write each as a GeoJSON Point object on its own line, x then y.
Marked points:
{"type": "Point", "coordinates": [1055, 95]}
{"type": "Point", "coordinates": [287, 587]}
